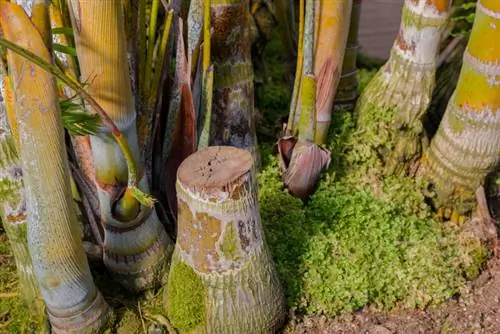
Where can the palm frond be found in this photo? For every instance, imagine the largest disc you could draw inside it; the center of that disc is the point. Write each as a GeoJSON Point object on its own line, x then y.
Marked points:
{"type": "Point", "coordinates": [106, 121]}
{"type": "Point", "coordinates": [77, 121]}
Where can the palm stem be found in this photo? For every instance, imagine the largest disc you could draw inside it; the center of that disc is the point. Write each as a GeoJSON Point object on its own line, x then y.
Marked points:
{"type": "Point", "coordinates": [153, 18]}
{"type": "Point", "coordinates": [298, 71]}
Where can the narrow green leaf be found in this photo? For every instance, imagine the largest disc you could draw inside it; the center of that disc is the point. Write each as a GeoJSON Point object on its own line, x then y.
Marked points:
{"type": "Point", "coordinates": [142, 197]}
{"type": "Point", "coordinates": [63, 31]}
{"type": "Point", "coordinates": [64, 49]}
{"type": "Point", "coordinates": [79, 122]}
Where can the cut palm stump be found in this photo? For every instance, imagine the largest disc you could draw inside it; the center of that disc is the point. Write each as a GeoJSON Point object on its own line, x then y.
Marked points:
{"type": "Point", "coordinates": [222, 278]}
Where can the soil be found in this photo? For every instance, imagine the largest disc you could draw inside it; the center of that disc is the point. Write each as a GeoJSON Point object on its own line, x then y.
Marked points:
{"type": "Point", "coordinates": [475, 310]}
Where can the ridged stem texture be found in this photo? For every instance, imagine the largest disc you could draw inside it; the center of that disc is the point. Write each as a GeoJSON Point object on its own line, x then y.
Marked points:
{"type": "Point", "coordinates": [13, 207]}
{"type": "Point", "coordinates": [222, 278]}
{"type": "Point", "coordinates": [73, 302]}
{"type": "Point", "coordinates": [137, 247]}
{"type": "Point", "coordinates": [233, 116]}
{"type": "Point", "coordinates": [466, 147]}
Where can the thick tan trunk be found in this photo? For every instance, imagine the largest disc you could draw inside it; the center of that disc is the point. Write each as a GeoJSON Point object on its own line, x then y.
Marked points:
{"type": "Point", "coordinates": [222, 278]}
{"type": "Point", "coordinates": [13, 215]}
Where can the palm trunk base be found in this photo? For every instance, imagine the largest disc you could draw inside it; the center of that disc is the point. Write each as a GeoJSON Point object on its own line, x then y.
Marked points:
{"type": "Point", "coordinates": [397, 98]}
{"type": "Point", "coordinates": [138, 253]}
{"type": "Point", "coordinates": [464, 151]}
{"type": "Point", "coordinates": [222, 278]}
{"type": "Point", "coordinates": [242, 301]}
{"type": "Point", "coordinates": [96, 317]}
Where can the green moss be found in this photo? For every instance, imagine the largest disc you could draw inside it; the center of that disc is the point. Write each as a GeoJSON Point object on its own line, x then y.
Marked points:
{"type": "Point", "coordinates": [129, 322]}
{"type": "Point", "coordinates": [186, 297]}
{"type": "Point", "coordinates": [474, 256]}
{"type": "Point", "coordinates": [363, 238]}
{"type": "Point", "coordinates": [229, 246]}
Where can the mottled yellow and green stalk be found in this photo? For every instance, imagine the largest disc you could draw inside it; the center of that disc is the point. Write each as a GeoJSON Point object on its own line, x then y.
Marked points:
{"type": "Point", "coordinates": [137, 247]}
{"type": "Point", "coordinates": [403, 86]}
{"type": "Point", "coordinates": [302, 160]}
{"type": "Point", "coordinates": [233, 118]}
{"type": "Point", "coordinates": [347, 90]}
{"type": "Point", "coordinates": [466, 147]}
{"type": "Point", "coordinates": [332, 18]}
{"type": "Point", "coordinates": [73, 302]}
{"type": "Point", "coordinates": [222, 278]}
{"type": "Point", "coordinates": [13, 204]}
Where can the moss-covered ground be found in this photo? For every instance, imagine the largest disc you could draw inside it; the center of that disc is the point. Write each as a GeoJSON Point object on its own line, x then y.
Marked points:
{"type": "Point", "coordinates": [14, 317]}
{"type": "Point", "coordinates": [362, 239]}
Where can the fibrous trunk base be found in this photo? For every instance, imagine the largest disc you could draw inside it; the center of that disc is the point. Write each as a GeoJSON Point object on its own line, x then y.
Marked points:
{"type": "Point", "coordinates": [222, 278]}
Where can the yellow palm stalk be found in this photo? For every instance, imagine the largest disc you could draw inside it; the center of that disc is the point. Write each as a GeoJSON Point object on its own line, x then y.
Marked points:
{"type": "Point", "coordinates": [466, 147]}
{"type": "Point", "coordinates": [67, 62]}
{"type": "Point", "coordinates": [332, 20]}
{"type": "Point", "coordinates": [60, 265]}
{"type": "Point", "coordinates": [403, 86]}
{"type": "Point", "coordinates": [137, 247]}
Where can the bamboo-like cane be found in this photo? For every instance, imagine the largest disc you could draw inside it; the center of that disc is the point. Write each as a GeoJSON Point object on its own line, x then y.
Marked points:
{"type": "Point", "coordinates": [137, 247]}
{"type": "Point", "coordinates": [13, 203]}
{"type": "Point", "coordinates": [59, 262]}
{"type": "Point", "coordinates": [302, 160]}
{"type": "Point", "coordinates": [291, 129]}
{"type": "Point", "coordinates": [466, 147]}
{"type": "Point", "coordinates": [222, 278]}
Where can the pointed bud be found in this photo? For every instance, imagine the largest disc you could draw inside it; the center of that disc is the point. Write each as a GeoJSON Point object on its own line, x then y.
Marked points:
{"type": "Point", "coordinates": [304, 167]}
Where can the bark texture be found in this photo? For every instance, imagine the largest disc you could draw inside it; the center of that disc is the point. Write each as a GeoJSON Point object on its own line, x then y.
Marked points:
{"type": "Point", "coordinates": [222, 278]}
{"type": "Point", "coordinates": [404, 84]}
{"type": "Point", "coordinates": [59, 262]}
{"type": "Point", "coordinates": [466, 147]}
{"type": "Point", "coordinates": [233, 117]}
{"type": "Point", "coordinates": [137, 248]}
